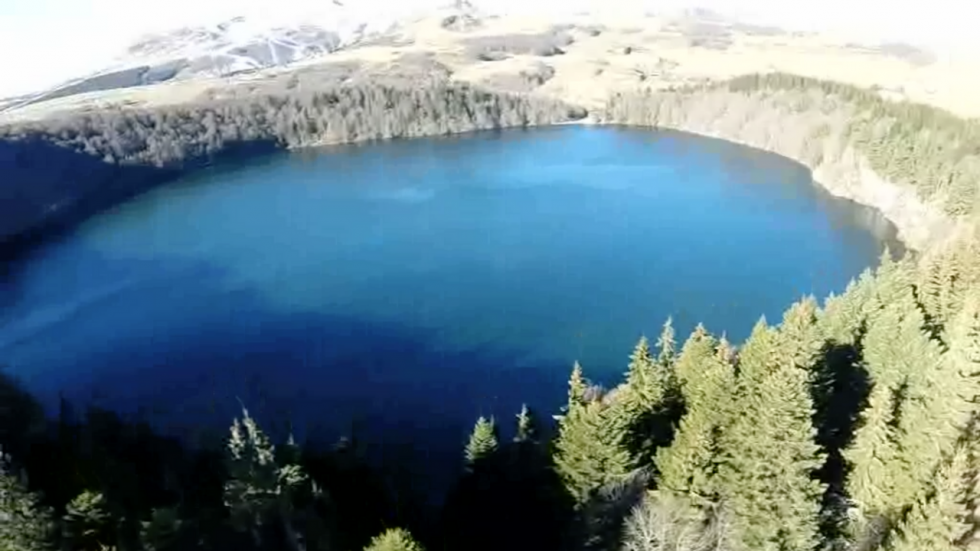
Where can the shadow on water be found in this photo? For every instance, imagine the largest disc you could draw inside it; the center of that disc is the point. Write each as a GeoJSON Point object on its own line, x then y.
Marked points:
{"type": "Point", "coordinates": [47, 189]}
{"type": "Point", "coordinates": [320, 376]}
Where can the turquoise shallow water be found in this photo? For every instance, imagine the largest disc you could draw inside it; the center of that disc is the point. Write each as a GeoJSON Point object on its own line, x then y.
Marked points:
{"type": "Point", "coordinates": [409, 287]}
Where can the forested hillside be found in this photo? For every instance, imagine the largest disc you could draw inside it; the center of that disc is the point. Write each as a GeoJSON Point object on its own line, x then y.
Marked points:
{"type": "Point", "coordinates": [72, 166]}
{"type": "Point", "coordinates": [850, 424]}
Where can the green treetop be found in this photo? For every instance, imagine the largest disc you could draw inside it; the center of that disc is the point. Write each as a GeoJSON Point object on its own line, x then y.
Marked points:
{"type": "Point", "coordinates": [394, 539]}
{"type": "Point", "coordinates": [938, 522]}
{"type": "Point", "coordinates": [666, 344]}
{"type": "Point", "coordinates": [483, 441]}
{"type": "Point", "coordinates": [697, 347]}
{"type": "Point", "coordinates": [259, 490]}
{"type": "Point", "coordinates": [962, 362]}
{"type": "Point", "coordinates": [87, 521]}
{"type": "Point", "coordinates": [800, 338]}
{"type": "Point", "coordinates": [525, 426]}
{"type": "Point", "coordinates": [770, 455]}
{"type": "Point", "coordinates": [689, 465]}
{"type": "Point", "coordinates": [576, 386]}
{"type": "Point", "coordinates": [843, 315]}
{"type": "Point", "coordinates": [25, 525]}
{"type": "Point", "coordinates": [590, 451]}
{"type": "Point", "coordinates": [650, 385]}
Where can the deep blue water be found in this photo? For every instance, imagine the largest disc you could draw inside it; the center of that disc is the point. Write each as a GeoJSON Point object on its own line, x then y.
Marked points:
{"type": "Point", "coordinates": [409, 287]}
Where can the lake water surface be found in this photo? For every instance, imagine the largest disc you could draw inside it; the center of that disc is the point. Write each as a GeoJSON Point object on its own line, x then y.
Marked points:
{"type": "Point", "coordinates": [408, 287]}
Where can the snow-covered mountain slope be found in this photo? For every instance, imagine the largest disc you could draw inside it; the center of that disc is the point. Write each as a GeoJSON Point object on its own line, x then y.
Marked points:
{"type": "Point", "coordinates": [576, 55]}
{"type": "Point", "coordinates": [238, 44]}
{"type": "Point", "coordinates": [230, 46]}
{"type": "Point", "coordinates": [277, 38]}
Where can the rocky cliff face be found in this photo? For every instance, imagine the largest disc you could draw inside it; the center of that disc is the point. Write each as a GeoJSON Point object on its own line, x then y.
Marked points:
{"type": "Point", "coordinates": [806, 126]}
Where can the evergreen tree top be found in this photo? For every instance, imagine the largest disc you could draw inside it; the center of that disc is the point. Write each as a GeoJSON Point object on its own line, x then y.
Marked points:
{"type": "Point", "coordinates": [641, 364]}
{"type": "Point", "coordinates": [483, 441]}
{"type": "Point", "coordinates": [667, 344]}
{"type": "Point", "coordinates": [394, 539]}
{"type": "Point", "coordinates": [940, 521]}
{"type": "Point", "coordinates": [726, 351]}
{"type": "Point", "coordinates": [25, 525]}
{"type": "Point", "coordinates": [689, 366]}
{"type": "Point", "coordinates": [248, 442]}
{"type": "Point", "coordinates": [577, 386]}
{"type": "Point", "coordinates": [525, 425]}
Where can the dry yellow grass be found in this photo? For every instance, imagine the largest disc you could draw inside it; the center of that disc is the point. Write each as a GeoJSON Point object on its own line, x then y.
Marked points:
{"type": "Point", "coordinates": [593, 67]}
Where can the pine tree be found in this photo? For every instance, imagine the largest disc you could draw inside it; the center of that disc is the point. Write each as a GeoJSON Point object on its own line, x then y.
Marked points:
{"type": "Point", "coordinates": [251, 491]}
{"type": "Point", "coordinates": [936, 275]}
{"type": "Point", "coordinates": [394, 539]}
{"type": "Point", "coordinates": [892, 281]}
{"type": "Point", "coordinates": [697, 347]}
{"type": "Point", "coordinates": [872, 454]}
{"type": "Point", "coordinates": [933, 413]}
{"type": "Point", "coordinates": [643, 385]}
{"type": "Point", "coordinates": [770, 456]}
{"type": "Point", "coordinates": [726, 352]}
{"type": "Point", "coordinates": [971, 442]}
{"type": "Point", "coordinates": [939, 522]}
{"type": "Point", "coordinates": [646, 404]}
{"type": "Point", "coordinates": [666, 344]}
{"type": "Point", "coordinates": [800, 338]}
{"type": "Point", "coordinates": [86, 521]}
{"type": "Point", "coordinates": [843, 316]}
{"type": "Point", "coordinates": [25, 524]}
{"type": "Point", "coordinates": [927, 430]}
{"type": "Point", "coordinates": [162, 532]}
{"type": "Point", "coordinates": [483, 442]}
{"type": "Point", "coordinates": [259, 491]}
{"type": "Point", "coordinates": [962, 362]}
{"type": "Point", "coordinates": [689, 465]}
{"type": "Point", "coordinates": [577, 386]}
{"type": "Point", "coordinates": [525, 426]}
{"type": "Point", "coordinates": [908, 424]}
{"type": "Point", "coordinates": [590, 451]}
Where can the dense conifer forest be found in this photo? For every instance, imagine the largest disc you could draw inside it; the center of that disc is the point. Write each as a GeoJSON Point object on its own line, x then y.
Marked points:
{"type": "Point", "coordinates": [850, 424]}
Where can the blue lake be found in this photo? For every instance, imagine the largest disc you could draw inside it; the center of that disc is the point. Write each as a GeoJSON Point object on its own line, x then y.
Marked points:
{"type": "Point", "coordinates": [405, 288]}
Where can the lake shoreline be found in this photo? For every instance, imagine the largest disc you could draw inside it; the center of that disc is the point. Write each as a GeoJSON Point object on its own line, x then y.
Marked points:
{"type": "Point", "coordinates": [919, 225]}
{"type": "Point", "coordinates": [837, 166]}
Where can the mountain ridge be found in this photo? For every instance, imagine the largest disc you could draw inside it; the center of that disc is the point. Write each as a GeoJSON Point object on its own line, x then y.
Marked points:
{"type": "Point", "coordinates": [244, 43]}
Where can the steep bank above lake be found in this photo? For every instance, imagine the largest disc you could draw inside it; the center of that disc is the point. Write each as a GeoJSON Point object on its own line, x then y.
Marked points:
{"type": "Point", "coordinates": [917, 165]}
